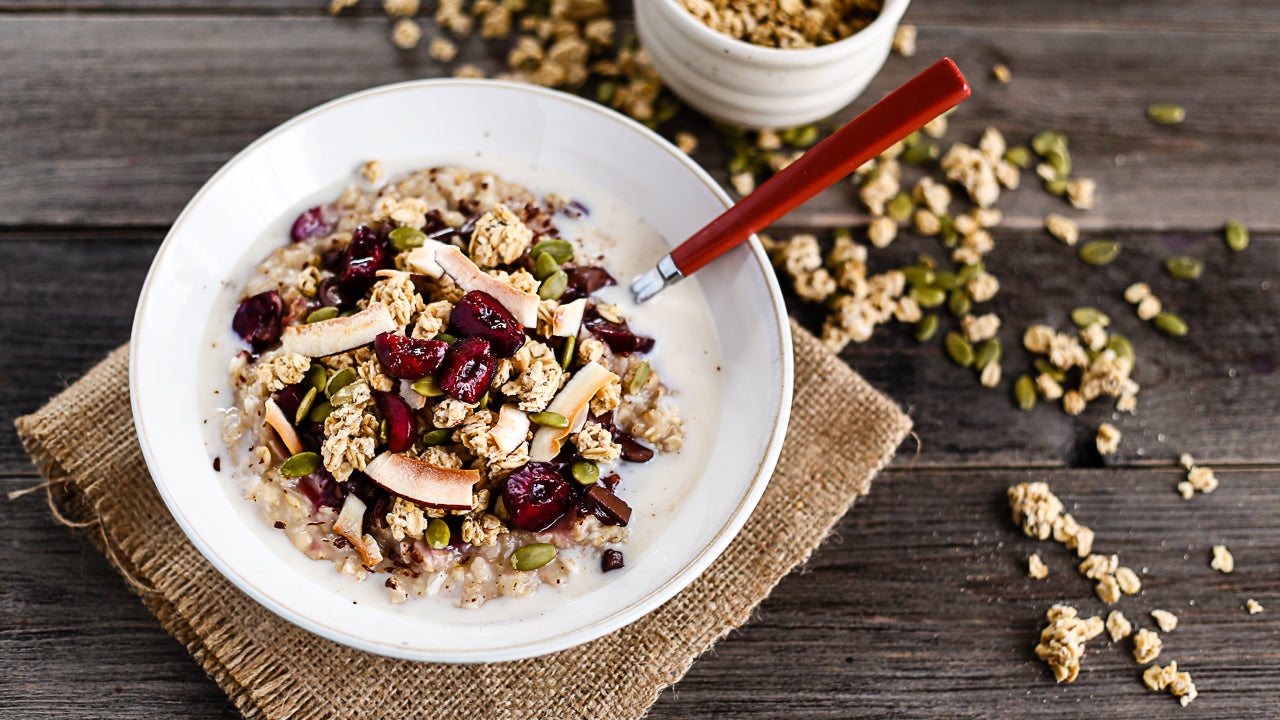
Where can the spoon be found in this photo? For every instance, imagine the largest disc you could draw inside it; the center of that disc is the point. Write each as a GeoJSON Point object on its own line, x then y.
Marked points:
{"type": "Point", "coordinates": [922, 98]}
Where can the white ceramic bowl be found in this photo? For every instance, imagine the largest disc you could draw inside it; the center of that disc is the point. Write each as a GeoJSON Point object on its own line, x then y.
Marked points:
{"type": "Point", "coordinates": [757, 86]}
{"type": "Point", "coordinates": [245, 210]}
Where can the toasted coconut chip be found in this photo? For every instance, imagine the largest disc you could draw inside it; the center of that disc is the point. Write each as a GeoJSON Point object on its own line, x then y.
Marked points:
{"type": "Point", "coordinates": [423, 260]}
{"type": "Point", "coordinates": [349, 524]}
{"type": "Point", "coordinates": [571, 402]}
{"type": "Point", "coordinates": [329, 337]}
{"type": "Point", "coordinates": [278, 422]}
{"type": "Point", "coordinates": [567, 318]}
{"type": "Point", "coordinates": [511, 429]}
{"type": "Point", "coordinates": [468, 276]}
{"type": "Point", "coordinates": [423, 482]}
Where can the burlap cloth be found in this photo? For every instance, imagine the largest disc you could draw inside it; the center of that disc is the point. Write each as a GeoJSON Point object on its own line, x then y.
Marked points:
{"type": "Point", "coordinates": [842, 432]}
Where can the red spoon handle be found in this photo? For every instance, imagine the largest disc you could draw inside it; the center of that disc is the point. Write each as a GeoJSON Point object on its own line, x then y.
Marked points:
{"type": "Point", "coordinates": [929, 94]}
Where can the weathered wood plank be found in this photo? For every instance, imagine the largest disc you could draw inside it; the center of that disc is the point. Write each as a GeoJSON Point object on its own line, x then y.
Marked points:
{"type": "Point", "coordinates": [919, 606]}
{"type": "Point", "coordinates": [1213, 393]}
{"type": "Point", "coordinates": [98, 113]}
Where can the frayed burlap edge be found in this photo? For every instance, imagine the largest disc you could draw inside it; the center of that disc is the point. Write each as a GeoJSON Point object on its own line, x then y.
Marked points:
{"type": "Point", "coordinates": [842, 433]}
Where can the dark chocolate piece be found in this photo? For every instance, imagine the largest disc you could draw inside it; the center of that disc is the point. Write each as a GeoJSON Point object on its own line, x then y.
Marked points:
{"type": "Point", "coordinates": [611, 560]}
{"type": "Point", "coordinates": [610, 508]}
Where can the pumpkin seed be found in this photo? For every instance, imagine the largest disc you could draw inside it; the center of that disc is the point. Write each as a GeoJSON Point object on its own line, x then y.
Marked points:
{"type": "Point", "coordinates": [304, 406]}
{"type": "Point", "coordinates": [1170, 324]}
{"type": "Point", "coordinates": [317, 377]}
{"type": "Point", "coordinates": [545, 266]}
{"type": "Point", "coordinates": [945, 281]}
{"type": "Point", "coordinates": [324, 313]}
{"type": "Point", "coordinates": [1182, 267]}
{"type": "Point", "coordinates": [320, 411]}
{"type": "Point", "coordinates": [640, 377]}
{"type": "Point", "coordinates": [947, 234]}
{"type": "Point", "coordinates": [1044, 367]}
{"type": "Point", "coordinates": [484, 401]}
{"type": "Point", "coordinates": [1018, 157]}
{"type": "Point", "coordinates": [586, 473]}
{"type": "Point", "coordinates": [566, 352]}
{"type": "Point", "coordinates": [348, 313]}
{"type": "Point", "coordinates": [382, 431]}
{"type": "Point", "coordinates": [439, 436]}
{"type": "Point", "coordinates": [928, 297]}
{"type": "Point", "coordinates": [917, 276]}
{"type": "Point", "coordinates": [1099, 252]}
{"type": "Point", "coordinates": [1237, 236]}
{"type": "Point", "coordinates": [915, 138]}
{"type": "Point", "coordinates": [304, 463]}
{"type": "Point", "coordinates": [921, 154]}
{"type": "Point", "coordinates": [533, 556]}
{"type": "Point", "coordinates": [605, 92]}
{"type": "Point", "coordinates": [406, 238]}
{"type": "Point", "coordinates": [900, 207]}
{"type": "Point", "coordinates": [427, 387]}
{"type": "Point", "coordinates": [344, 396]}
{"type": "Point", "coordinates": [1085, 316]}
{"type": "Point", "coordinates": [554, 286]}
{"type": "Point", "coordinates": [1024, 392]}
{"type": "Point", "coordinates": [1060, 160]}
{"type": "Point", "coordinates": [1057, 186]}
{"type": "Point", "coordinates": [801, 136]}
{"type": "Point", "coordinates": [437, 533]}
{"type": "Point", "coordinates": [1166, 114]}
{"type": "Point", "coordinates": [340, 379]}
{"type": "Point", "coordinates": [1048, 140]}
{"type": "Point", "coordinates": [445, 338]}
{"type": "Point", "coordinates": [1121, 346]}
{"type": "Point", "coordinates": [842, 233]}
{"type": "Point", "coordinates": [988, 352]}
{"type": "Point", "coordinates": [549, 419]}
{"type": "Point", "coordinates": [968, 272]}
{"type": "Point", "coordinates": [926, 327]}
{"type": "Point", "coordinates": [960, 303]}
{"type": "Point", "coordinates": [959, 349]}
{"type": "Point", "coordinates": [560, 250]}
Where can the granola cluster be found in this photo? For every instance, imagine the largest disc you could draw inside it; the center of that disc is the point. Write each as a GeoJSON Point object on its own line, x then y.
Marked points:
{"type": "Point", "coordinates": [1178, 683]}
{"type": "Point", "coordinates": [785, 23]}
{"type": "Point", "coordinates": [1062, 640]}
{"type": "Point", "coordinates": [1199, 478]}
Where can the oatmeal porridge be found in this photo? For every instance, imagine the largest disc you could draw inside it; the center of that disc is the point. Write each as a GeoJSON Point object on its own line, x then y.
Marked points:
{"type": "Point", "coordinates": [432, 394]}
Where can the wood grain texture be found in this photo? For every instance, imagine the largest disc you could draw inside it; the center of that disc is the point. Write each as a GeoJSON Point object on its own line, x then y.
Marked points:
{"type": "Point", "coordinates": [117, 119]}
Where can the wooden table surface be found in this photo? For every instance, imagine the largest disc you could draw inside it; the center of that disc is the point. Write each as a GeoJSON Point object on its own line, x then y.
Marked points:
{"type": "Point", "coordinates": [919, 606]}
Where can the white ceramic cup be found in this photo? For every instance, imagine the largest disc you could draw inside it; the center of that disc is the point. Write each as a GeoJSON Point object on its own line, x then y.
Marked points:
{"type": "Point", "coordinates": [745, 84]}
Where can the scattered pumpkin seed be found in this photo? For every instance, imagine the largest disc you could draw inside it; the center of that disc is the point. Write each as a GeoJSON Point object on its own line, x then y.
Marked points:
{"type": "Point", "coordinates": [406, 238]}
{"type": "Point", "coordinates": [560, 250]}
{"type": "Point", "coordinates": [801, 135]}
{"type": "Point", "coordinates": [348, 312]}
{"type": "Point", "coordinates": [1018, 157]}
{"type": "Point", "coordinates": [960, 303]}
{"type": "Point", "coordinates": [445, 338]}
{"type": "Point", "coordinates": [1085, 316]}
{"type": "Point", "coordinates": [1060, 160]}
{"type": "Point", "coordinates": [1024, 392]}
{"type": "Point", "coordinates": [439, 436]}
{"type": "Point", "coordinates": [926, 327]}
{"type": "Point", "coordinates": [947, 234]}
{"type": "Point", "coordinates": [926, 261]}
{"type": "Point", "coordinates": [959, 349]}
{"type": "Point", "coordinates": [549, 419]}
{"type": "Point", "coordinates": [1047, 140]}
{"type": "Point", "coordinates": [304, 405]}
{"type": "Point", "coordinates": [988, 352]}
{"type": "Point", "coordinates": [928, 297]}
{"type": "Point", "coordinates": [382, 431]}
{"type": "Point", "coordinates": [921, 154]}
{"type": "Point", "coordinates": [1057, 186]}
{"type": "Point", "coordinates": [1044, 367]}
{"type": "Point", "coordinates": [484, 401]}
{"type": "Point", "coordinates": [317, 377]}
{"type": "Point", "coordinates": [968, 272]}
{"type": "Point", "coordinates": [1121, 346]}
{"type": "Point", "coordinates": [437, 533]}
{"type": "Point", "coordinates": [638, 380]}
{"type": "Point", "coordinates": [1182, 267]}
{"type": "Point", "coordinates": [917, 276]}
{"type": "Point", "coordinates": [1237, 236]}
{"type": "Point", "coordinates": [427, 387]}
{"type": "Point", "coordinates": [533, 556]}
{"type": "Point", "coordinates": [345, 395]}
{"type": "Point", "coordinates": [915, 138]}
{"type": "Point", "coordinates": [320, 411]}
{"type": "Point", "coordinates": [545, 266]}
{"type": "Point", "coordinates": [585, 472]}
{"type": "Point", "coordinates": [1166, 114]}
{"type": "Point", "coordinates": [1099, 252]}
{"type": "Point", "coordinates": [566, 352]}
{"type": "Point", "coordinates": [340, 379]}
{"type": "Point", "coordinates": [900, 207]}
{"type": "Point", "coordinates": [945, 280]}
{"type": "Point", "coordinates": [842, 233]}
{"type": "Point", "coordinates": [554, 286]}
{"type": "Point", "coordinates": [1170, 324]}
{"type": "Point", "coordinates": [304, 463]}
{"type": "Point", "coordinates": [324, 313]}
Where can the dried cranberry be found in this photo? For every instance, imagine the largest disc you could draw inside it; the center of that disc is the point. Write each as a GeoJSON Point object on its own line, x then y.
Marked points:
{"type": "Point", "coordinates": [536, 496]}
{"type": "Point", "coordinates": [401, 424]}
{"type": "Point", "coordinates": [319, 220]}
{"type": "Point", "coordinates": [289, 397]}
{"type": "Point", "coordinates": [364, 256]}
{"type": "Point", "coordinates": [632, 450]}
{"type": "Point", "coordinates": [610, 560]}
{"type": "Point", "coordinates": [479, 314]}
{"type": "Point", "coordinates": [467, 369]}
{"type": "Point", "coordinates": [258, 319]}
{"type": "Point", "coordinates": [332, 294]}
{"type": "Point", "coordinates": [617, 336]}
{"type": "Point", "coordinates": [321, 489]}
{"type": "Point", "coordinates": [409, 358]}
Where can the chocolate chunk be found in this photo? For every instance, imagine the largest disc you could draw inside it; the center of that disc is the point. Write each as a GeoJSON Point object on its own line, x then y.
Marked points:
{"type": "Point", "coordinates": [632, 450]}
{"type": "Point", "coordinates": [610, 508]}
{"type": "Point", "coordinates": [217, 464]}
{"type": "Point", "coordinates": [611, 560]}
{"type": "Point", "coordinates": [610, 481]}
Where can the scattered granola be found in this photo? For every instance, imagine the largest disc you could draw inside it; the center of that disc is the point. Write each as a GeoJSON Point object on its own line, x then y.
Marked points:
{"type": "Point", "coordinates": [1062, 228]}
{"type": "Point", "coordinates": [1001, 73]}
{"type": "Point", "coordinates": [1130, 583]}
{"type": "Point", "coordinates": [1118, 626]}
{"type": "Point", "coordinates": [1199, 478]}
{"type": "Point", "coordinates": [904, 40]}
{"type": "Point", "coordinates": [1146, 646]}
{"type": "Point", "coordinates": [1178, 683]}
{"type": "Point", "coordinates": [1165, 619]}
{"type": "Point", "coordinates": [785, 24]}
{"type": "Point", "coordinates": [406, 33]}
{"type": "Point", "coordinates": [1062, 641]}
{"type": "Point", "coordinates": [1108, 438]}
{"type": "Point", "coordinates": [1253, 606]}
{"type": "Point", "coordinates": [687, 142]}
{"type": "Point", "coordinates": [1036, 567]}
{"type": "Point", "coordinates": [1222, 561]}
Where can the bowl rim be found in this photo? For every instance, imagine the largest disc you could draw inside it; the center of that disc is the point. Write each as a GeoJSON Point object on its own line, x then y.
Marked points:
{"type": "Point", "coordinates": [890, 15]}
{"type": "Point", "coordinates": [633, 611]}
